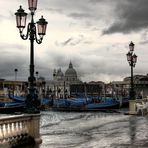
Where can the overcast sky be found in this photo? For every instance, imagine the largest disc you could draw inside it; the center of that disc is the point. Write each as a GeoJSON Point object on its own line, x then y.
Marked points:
{"type": "Point", "coordinates": [93, 34]}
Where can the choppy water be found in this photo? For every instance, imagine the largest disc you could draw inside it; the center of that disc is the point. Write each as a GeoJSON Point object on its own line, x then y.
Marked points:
{"type": "Point", "coordinates": [93, 130]}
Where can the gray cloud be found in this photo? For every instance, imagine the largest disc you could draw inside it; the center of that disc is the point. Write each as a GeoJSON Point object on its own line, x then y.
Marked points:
{"type": "Point", "coordinates": [13, 56]}
{"type": "Point", "coordinates": [66, 42]}
{"type": "Point", "coordinates": [72, 41]}
{"type": "Point", "coordinates": [8, 66]}
{"type": "Point", "coordinates": [92, 64]}
{"type": "Point", "coordinates": [131, 16]}
{"type": "Point", "coordinates": [123, 16]}
{"type": "Point", "coordinates": [81, 15]}
{"type": "Point", "coordinates": [84, 10]}
{"type": "Point", "coordinates": [4, 47]}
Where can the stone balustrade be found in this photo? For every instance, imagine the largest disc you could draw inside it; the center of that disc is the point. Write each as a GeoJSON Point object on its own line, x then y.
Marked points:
{"type": "Point", "coordinates": [19, 129]}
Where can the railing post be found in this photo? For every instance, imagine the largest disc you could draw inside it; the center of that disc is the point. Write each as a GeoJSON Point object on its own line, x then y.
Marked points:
{"type": "Point", "coordinates": [34, 128]}
{"type": "Point", "coordinates": [132, 109]}
{"type": "Point", "coordinates": [1, 133]}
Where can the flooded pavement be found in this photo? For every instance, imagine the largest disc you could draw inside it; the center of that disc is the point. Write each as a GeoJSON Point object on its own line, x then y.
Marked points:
{"type": "Point", "coordinates": [93, 130]}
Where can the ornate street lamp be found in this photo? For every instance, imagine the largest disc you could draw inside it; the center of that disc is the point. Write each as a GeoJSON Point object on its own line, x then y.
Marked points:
{"type": "Point", "coordinates": [132, 59]}
{"type": "Point", "coordinates": [32, 101]}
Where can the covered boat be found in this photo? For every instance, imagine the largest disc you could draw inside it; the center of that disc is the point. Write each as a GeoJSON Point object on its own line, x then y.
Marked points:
{"type": "Point", "coordinates": [107, 104]}
{"type": "Point", "coordinates": [21, 99]}
{"type": "Point", "coordinates": [85, 104]}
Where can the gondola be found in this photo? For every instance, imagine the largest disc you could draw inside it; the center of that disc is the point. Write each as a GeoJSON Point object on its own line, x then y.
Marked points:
{"type": "Point", "coordinates": [11, 107]}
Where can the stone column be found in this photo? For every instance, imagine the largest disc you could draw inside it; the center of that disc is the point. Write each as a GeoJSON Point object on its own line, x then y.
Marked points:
{"type": "Point", "coordinates": [132, 106]}
{"type": "Point", "coordinates": [34, 128]}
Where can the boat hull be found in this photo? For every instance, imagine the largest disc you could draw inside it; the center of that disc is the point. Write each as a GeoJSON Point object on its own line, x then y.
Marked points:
{"type": "Point", "coordinates": [87, 107]}
{"type": "Point", "coordinates": [14, 109]}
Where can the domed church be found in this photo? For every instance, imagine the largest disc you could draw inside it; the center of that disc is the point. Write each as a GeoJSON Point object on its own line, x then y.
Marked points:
{"type": "Point", "coordinates": [63, 81]}
{"type": "Point", "coordinates": [70, 76]}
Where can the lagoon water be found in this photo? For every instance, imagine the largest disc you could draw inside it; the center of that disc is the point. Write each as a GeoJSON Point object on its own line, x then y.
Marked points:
{"type": "Point", "coordinates": [93, 130]}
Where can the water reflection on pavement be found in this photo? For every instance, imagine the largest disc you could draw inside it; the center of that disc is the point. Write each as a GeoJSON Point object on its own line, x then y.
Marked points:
{"type": "Point", "coordinates": [93, 130]}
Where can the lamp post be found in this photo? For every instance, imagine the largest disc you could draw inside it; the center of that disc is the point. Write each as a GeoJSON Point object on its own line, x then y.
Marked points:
{"type": "Point", "coordinates": [132, 59]}
{"type": "Point", "coordinates": [32, 102]}
{"type": "Point", "coordinates": [15, 70]}
{"type": "Point", "coordinates": [37, 73]}
{"type": "Point", "coordinates": [37, 83]}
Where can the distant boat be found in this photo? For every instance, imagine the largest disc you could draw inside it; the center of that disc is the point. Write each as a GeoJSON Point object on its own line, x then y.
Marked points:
{"type": "Point", "coordinates": [78, 104]}
{"type": "Point", "coordinates": [107, 104]}
{"type": "Point", "coordinates": [44, 101]}
{"type": "Point", "coordinates": [83, 104]}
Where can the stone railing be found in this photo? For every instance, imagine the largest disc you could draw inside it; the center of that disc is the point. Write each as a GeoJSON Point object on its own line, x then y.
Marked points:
{"type": "Point", "coordinates": [20, 129]}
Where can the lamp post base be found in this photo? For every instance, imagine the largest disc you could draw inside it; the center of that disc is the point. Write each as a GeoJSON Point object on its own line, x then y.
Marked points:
{"type": "Point", "coordinates": [132, 95]}
{"type": "Point", "coordinates": [32, 104]}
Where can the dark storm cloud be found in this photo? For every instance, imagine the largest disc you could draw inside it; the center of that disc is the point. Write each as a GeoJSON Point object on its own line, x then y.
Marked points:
{"type": "Point", "coordinates": [131, 16]}
{"type": "Point", "coordinates": [84, 9]}
{"type": "Point", "coordinates": [121, 16]}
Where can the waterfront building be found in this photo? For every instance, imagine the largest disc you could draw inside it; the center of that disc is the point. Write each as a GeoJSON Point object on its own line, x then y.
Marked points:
{"type": "Point", "coordinates": [121, 88]}
{"type": "Point", "coordinates": [117, 89]}
{"type": "Point", "coordinates": [87, 89]}
{"type": "Point", "coordinates": [140, 85]}
{"type": "Point", "coordinates": [16, 87]}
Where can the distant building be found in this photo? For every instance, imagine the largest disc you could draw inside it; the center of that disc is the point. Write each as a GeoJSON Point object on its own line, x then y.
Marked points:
{"type": "Point", "coordinates": [140, 84]}
{"type": "Point", "coordinates": [68, 84]}
{"type": "Point", "coordinates": [122, 88]}
{"type": "Point", "coordinates": [60, 85]}
{"type": "Point", "coordinates": [87, 89]}
{"type": "Point", "coordinates": [16, 87]}
{"type": "Point", "coordinates": [117, 89]}
{"type": "Point", "coordinates": [69, 77]}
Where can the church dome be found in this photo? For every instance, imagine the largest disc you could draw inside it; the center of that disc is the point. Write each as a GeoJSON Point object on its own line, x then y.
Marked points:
{"type": "Point", "coordinates": [70, 72]}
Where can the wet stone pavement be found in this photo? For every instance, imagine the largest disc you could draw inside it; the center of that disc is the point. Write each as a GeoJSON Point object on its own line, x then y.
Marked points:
{"type": "Point", "coordinates": [93, 130]}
